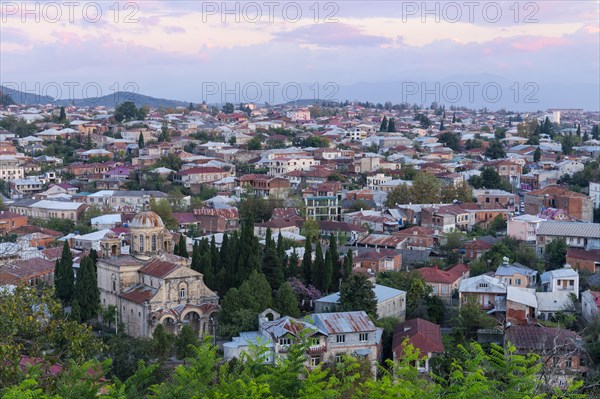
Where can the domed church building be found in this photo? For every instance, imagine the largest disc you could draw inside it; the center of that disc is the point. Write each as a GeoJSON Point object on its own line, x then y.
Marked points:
{"type": "Point", "coordinates": [151, 286]}
{"type": "Point", "coordinates": [149, 236]}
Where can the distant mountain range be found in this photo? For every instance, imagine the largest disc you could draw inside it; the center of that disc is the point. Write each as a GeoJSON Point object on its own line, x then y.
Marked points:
{"type": "Point", "coordinates": [110, 100]}
{"type": "Point", "coordinates": [483, 91]}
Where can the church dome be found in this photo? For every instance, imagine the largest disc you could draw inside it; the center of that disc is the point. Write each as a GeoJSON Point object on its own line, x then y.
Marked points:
{"type": "Point", "coordinates": [146, 220]}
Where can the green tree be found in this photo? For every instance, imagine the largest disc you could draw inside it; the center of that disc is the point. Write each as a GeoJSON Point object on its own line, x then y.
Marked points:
{"type": "Point", "coordinates": [62, 117]}
{"type": "Point", "coordinates": [449, 139]}
{"type": "Point", "coordinates": [181, 247]}
{"type": "Point", "coordinates": [254, 144]}
{"type": "Point", "coordinates": [141, 140]}
{"type": "Point", "coordinates": [471, 318]}
{"type": "Point", "coordinates": [384, 124]}
{"type": "Point", "coordinates": [287, 302]}
{"type": "Point", "coordinates": [272, 266]}
{"type": "Point", "coordinates": [310, 230]}
{"type": "Point", "coordinates": [163, 209]}
{"type": "Point", "coordinates": [348, 264]}
{"type": "Point", "coordinates": [391, 125]}
{"type": "Point", "coordinates": [307, 266]}
{"type": "Point", "coordinates": [426, 189]}
{"type": "Point", "coordinates": [556, 254]}
{"type": "Point", "coordinates": [415, 287]}
{"type": "Point", "coordinates": [187, 337]}
{"type": "Point", "coordinates": [537, 155]}
{"type": "Point", "coordinates": [401, 194]}
{"type": "Point", "coordinates": [318, 270]}
{"type": "Point", "coordinates": [87, 293]}
{"type": "Point", "coordinates": [64, 278]}
{"type": "Point", "coordinates": [495, 150]}
{"type": "Point", "coordinates": [357, 293]}
{"type": "Point", "coordinates": [162, 342]}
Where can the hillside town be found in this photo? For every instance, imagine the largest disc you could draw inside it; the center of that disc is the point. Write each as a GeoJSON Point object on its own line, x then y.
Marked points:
{"type": "Point", "coordinates": [366, 230]}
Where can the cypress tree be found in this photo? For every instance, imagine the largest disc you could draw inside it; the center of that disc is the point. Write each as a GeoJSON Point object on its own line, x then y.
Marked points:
{"type": "Point", "coordinates": [307, 262]}
{"type": "Point", "coordinates": [62, 118]}
{"type": "Point", "coordinates": [335, 263]}
{"type": "Point", "coordinates": [75, 312]}
{"type": "Point", "coordinates": [318, 269]}
{"type": "Point", "coordinates": [454, 117]}
{"type": "Point", "coordinates": [215, 258]}
{"type": "Point", "coordinates": [327, 272]}
{"type": "Point", "coordinates": [348, 264]}
{"type": "Point", "coordinates": [205, 264]}
{"type": "Point", "coordinates": [292, 265]}
{"type": "Point", "coordinates": [94, 257]}
{"type": "Point", "coordinates": [384, 124]}
{"type": "Point", "coordinates": [141, 141]}
{"type": "Point", "coordinates": [64, 279]}
{"type": "Point", "coordinates": [596, 132]}
{"type": "Point", "coordinates": [196, 257]}
{"type": "Point", "coordinates": [272, 268]}
{"type": "Point", "coordinates": [442, 125]}
{"type": "Point", "coordinates": [391, 125]}
{"type": "Point", "coordinates": [182, 247]}
{"type": "Point", "coordinates": [87, 294]}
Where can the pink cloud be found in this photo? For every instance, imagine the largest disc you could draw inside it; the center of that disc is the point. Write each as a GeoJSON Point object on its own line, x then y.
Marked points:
{"type": "Point", "coordinates": [532, 44]}
{"type": "Point", "coordinates": [332, 35]}
{"type": "Point", "coordinates": [68, 38]}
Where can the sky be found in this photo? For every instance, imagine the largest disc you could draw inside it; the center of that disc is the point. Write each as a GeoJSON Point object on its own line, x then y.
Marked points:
{"type": "Point", "coordinates": [515, 54]}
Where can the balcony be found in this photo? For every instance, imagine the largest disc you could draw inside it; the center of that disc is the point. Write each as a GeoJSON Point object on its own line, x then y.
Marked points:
{"type": "Point", "coordinates": [317, 349]}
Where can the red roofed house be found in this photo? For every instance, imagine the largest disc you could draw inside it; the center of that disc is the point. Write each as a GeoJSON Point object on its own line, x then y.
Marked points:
{"type": "Point", "coordinates": [266, 186]}
{"type": "Point", "coordinates": [422, 335]}
{"type": "Point", "coordinates": [475, 248]}
{"type": "Point", "coordinates": [444, 282]}
{"type": "Point", "coordinates": [30, 272]}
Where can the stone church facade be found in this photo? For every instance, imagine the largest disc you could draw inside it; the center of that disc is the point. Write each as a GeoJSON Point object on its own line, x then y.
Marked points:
{"type": "Point", "coordinates": [151, 286]}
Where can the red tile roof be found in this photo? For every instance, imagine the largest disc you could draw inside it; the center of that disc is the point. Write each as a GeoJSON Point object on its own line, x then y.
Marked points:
{"type": "Point", "coordinates": [159, 268]}
{"type": "Point", "coordinates": [139, 294]}
{"type": "Point", "coordinates": [435, 275]}
{"type": "Point", "coordinates": [422, 334]}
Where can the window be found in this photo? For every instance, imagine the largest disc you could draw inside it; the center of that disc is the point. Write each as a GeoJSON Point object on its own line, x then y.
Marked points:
{"type": "Point", "coordinates": [518, 281]}
{"type": "Point", "coordinates": [339, 358]}
{"type": "Point", "coordinates": [340, 339]}
{"type": "Point", "coordinates": [141, 242]}
{"type": "Point", "coordinates": [315, 342]}
{"type": "Point", "coordinates": [569, 363]}
{"type": "Point", "coordinates": [182, 292]}
{"type": "Point", "coordinates": [314, 361]}
{"type": "Point", "coordinates": [483, 285]}
{"type": "Point", "coordinates": [285, 341]}
{"type": "Point", "coordinates": [363, 337]}
{"type": "Point", "coordinates": [154, 242]}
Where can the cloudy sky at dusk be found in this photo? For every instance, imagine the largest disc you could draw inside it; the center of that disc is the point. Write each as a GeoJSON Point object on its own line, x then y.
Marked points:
{"type": "Point", "coordinates": [183, 49]}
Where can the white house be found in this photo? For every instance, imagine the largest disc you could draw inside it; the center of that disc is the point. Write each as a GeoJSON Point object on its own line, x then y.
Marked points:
{"type": "Point", "coordinates": [561, 280]}
{"type": "Point", "coordinates": [590, 305]}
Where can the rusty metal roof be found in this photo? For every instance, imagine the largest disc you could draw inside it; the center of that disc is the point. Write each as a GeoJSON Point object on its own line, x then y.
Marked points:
{"type": "Point", "coordinates": [343, 322]}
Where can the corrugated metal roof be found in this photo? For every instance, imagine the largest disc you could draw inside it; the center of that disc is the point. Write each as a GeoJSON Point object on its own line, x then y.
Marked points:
{"type": "Point", "coordinates": [569, 229]}
{"type": "Point", "coordinates": [343, 322]}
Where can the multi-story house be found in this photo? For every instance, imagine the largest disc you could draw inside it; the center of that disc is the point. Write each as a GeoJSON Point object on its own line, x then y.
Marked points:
{"type": "Point", "coordinates": [488, 291]}
{"type": "Point", "coordinates": [577, 235]}
{"type": "Point", "coordinates": [561, 280]}
{"type": "Point", "coordinates": [323, 202]}
{"type": "Point", "coordinates": [332, 336]}
{"type": "Point", "coordinates": [373, 220]}
{"type": "Point", "coordinates": [523, 227]}
{"type": "Point", "coordinates": [378, 259]}
{"type": "Point", "coordinates": [134, 199]}
{"type": "Point", "coordinates": [25, 187]}
{"type": "Point", "coordinates": [578, 205]}
{"type": "Point", "coordinates": [11, 168]}
{"type": "Point", "coordinates": [509, 169]}
{"type": "Point", "coordinates": [502, 198]}
{"type": "Point", "coordinates": [595, 194]}
{"type": "Point", "coordinates": [264, 186]}
{"type": "Point", "coordinates": [582, 260]}
{"type": "Point", "coordinates": [200, 175]}
{"type": "Point", "coordinates": [10, 221]}
{"type": "Point", "coordinates": [30, 272]}
{"type": "Point", "coordinates": [279, 166]}
{"type": "Point", "coordinates": [516, 274]}
{"type": "Point", "coordinates": [47, 209]}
